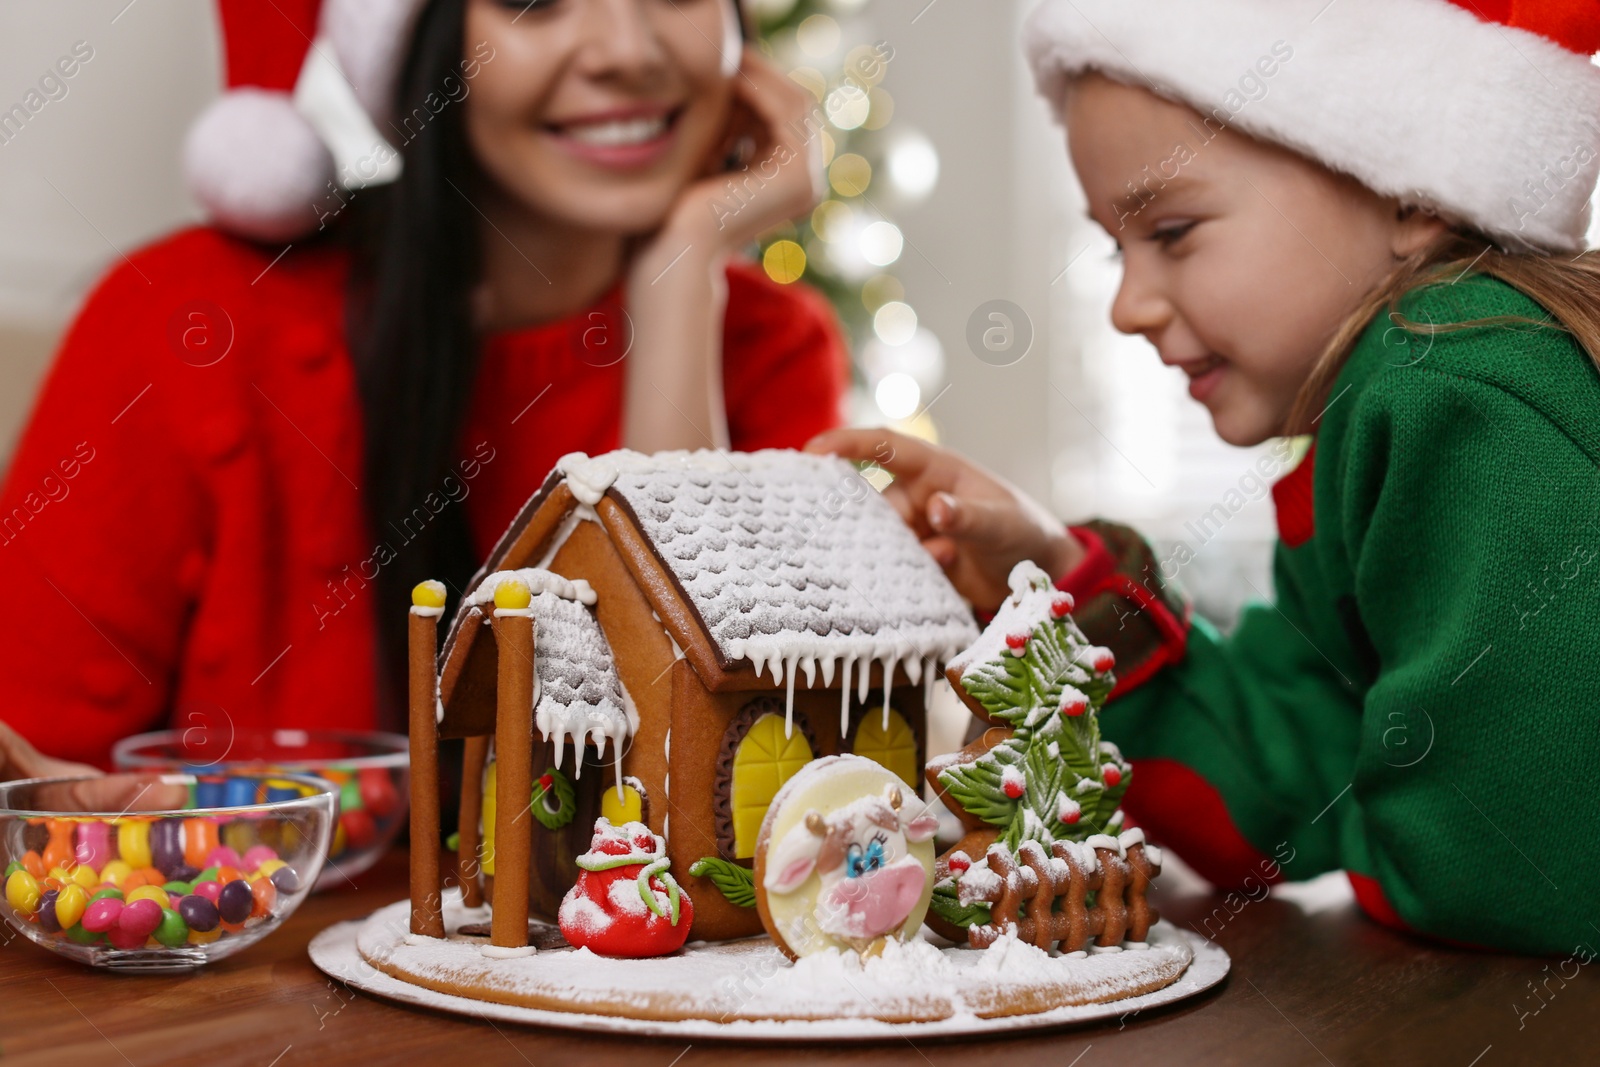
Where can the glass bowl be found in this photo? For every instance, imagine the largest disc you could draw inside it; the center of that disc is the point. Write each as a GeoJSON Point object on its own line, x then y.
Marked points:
{"type": "Point", "coordinates": [371, 773]}
{"type": "Point", "coordinates": [134, 872]}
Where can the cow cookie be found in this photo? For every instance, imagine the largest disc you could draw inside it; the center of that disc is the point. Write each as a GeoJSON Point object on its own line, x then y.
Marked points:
{"type": "Point", "coordinates": [844, 859]}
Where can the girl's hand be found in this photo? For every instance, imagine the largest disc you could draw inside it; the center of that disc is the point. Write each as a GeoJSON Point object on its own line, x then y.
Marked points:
{"type": "Point", "coordinates": [773, 123]}
{"type": "Point", "coordinates": [975, 524]}
{"type": "Point", "coordinates": [18, 759]}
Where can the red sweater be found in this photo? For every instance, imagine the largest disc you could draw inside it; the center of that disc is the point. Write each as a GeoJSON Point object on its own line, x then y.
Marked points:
{"type": "Point", "coordinates": [182, 533]}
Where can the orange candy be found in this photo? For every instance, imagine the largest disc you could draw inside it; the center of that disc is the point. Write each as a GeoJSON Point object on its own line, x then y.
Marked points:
{"type": "Point", "coordinates": [142, 877]}
{"type": "Point", "coordinates": [266, 894]}
{"type": "Point", "coordinates": [33, 863]}
{"type": "Point", "coordinates": [228, 874]}
{"type": "Point", "coordinates": [59, 852]}
{"type": "Point", "coordinates": [200, 836]}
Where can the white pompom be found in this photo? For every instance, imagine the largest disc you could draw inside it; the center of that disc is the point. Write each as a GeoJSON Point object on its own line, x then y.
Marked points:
{"type": "Point", "coordinates": [257, 166]}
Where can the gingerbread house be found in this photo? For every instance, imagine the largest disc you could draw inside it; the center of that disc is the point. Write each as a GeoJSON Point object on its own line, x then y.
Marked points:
{"type": "Point", "coordinates": [669, 638]}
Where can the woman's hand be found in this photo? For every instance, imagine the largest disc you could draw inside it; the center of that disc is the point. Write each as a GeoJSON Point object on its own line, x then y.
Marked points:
{"type": "Point", "coordinates": [774, 126]}
{"type": "Point", "coordinates": [18, 759]}
{"type": "Point", "coordinates": [975, 524]}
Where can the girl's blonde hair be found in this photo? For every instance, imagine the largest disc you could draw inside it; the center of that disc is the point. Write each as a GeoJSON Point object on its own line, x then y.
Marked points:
{"type": "Point", "coordinates": [1568, 289]}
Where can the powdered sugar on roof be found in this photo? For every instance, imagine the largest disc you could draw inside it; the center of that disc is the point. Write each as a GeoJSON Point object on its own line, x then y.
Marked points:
{"type": "Point", "coordinates": [792, 560]}
{"type": "Point", "coordinates": [577, 694]}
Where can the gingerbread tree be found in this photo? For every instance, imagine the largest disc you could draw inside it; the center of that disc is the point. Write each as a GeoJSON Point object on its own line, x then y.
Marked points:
{"type": "Point", "coordinates": [1052, 779]}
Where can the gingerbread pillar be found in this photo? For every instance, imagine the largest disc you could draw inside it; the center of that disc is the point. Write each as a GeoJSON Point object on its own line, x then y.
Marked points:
{"type": "Point", "coordinates": [427, 605]}
{"type": "Point", "coordinates": [513, 748]}
{"type": "Point", "coordinates": [469, 865]}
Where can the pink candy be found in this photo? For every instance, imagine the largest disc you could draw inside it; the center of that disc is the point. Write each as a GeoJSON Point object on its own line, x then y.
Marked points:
{"type": "Point", "coordinates": [209, 890]}
{"type": "Point", "coordinates": [224, 856]}
{"type": "Point", "coordinates": [255, 856]}
{"type": "Point", "coordinates": [102, 915]}
{"type": "Point", "coordinates": [139, 919]}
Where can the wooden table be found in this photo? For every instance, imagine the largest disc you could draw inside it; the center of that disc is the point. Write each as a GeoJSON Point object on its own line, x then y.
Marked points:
{"type": "Point", "coordinates": [1313, 982]}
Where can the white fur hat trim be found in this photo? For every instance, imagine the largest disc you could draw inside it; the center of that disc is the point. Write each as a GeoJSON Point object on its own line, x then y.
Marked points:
{"type": "Point", "coordinates": [1488, 125]}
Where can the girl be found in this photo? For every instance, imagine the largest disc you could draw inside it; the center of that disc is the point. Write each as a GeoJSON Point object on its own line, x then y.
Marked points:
{"type": "Point", "coordinates": [1322, 253]}
{"type": "Point", "coordinates": [247, 452]}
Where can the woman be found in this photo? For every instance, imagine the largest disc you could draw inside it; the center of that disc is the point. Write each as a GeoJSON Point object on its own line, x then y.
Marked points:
{"type": "Point", "coordinates": [245, 454]}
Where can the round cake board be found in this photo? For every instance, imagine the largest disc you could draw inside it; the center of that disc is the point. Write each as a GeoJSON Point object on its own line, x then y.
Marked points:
{"type": "Point", "coordinates": [342, 952]}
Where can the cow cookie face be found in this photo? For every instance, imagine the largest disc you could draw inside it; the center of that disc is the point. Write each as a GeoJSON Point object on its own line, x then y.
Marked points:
{"type": "Point", "coordinates": [844, 859]}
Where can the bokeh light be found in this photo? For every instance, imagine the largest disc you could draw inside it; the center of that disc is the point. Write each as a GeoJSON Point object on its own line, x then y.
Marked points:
{"type": "Point", "coordinates": [898, 395]}
{"type": "Point", "coordinates": [895, 323]}
{"type": "Point", "coordinates": [818, 36]}
{"type": "Point", "coordinates": [850, 174]}
{"type": "Point", "coordinates": [882, 243]}
{"type": "Point", "coordinates": [784, 261]}
{"type": "Point", "coordinates": [913, 165]}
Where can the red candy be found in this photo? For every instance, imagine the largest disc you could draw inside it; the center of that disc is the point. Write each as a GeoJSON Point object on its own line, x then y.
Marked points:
{"type": "Point", "coordinates": [102, 915]}
{"type": "Point", "coordinates": [1112, 774]}
{"type": "Point", "coordinates": [1060, 605]}
{"type": "Point", "coordinates": [378, 794]}
{"type": "Point", "coordinates": [1017, 643]}
{"type": "Point", "coordinates": [359, 829]}
{"type": "Point", "coordinates": [139, 919]}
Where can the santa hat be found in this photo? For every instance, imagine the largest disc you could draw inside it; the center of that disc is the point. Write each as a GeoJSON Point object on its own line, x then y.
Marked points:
{"type": "Point", "coordinates": [260, 159]}
{"type": "Point", "coordinates": [1486, 112]}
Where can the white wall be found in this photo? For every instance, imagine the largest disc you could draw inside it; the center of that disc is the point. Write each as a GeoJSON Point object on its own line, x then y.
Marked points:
{"type": "Point", "coordinates": [93, 173]}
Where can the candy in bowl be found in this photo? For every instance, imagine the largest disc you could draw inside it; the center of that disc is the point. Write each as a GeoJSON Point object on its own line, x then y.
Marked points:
{"type": "Point", "coordinates": [135, 872]}
{"type": "Point", "coordinates": [371, 773]}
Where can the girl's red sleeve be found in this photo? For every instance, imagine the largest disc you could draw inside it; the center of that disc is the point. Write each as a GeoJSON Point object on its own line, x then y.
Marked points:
{"type": "Point", "coordinates": [785, 368]}
{"type": "Point", "coordinates": [101, 532]}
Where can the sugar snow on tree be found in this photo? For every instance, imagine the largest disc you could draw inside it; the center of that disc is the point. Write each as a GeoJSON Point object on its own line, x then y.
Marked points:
{"type": "Point", "coordinates": [1034, 670]}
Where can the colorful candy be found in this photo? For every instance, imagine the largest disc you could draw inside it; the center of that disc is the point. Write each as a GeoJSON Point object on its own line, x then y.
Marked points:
{"type": "Point", "coordinates": [22, 892]}
{"type": "Point", "coordinates": [133, 843]}
{"type": "Point", "coordinates": [94, 844]}
{"type": "Point", "coordinates": [200, 913]}
{"type": "Point", "coordinates": [139, 918]}
{"type": "Point", "coordinates": [102, 915]}
{"type": "Point", "coordinates": [235, 901]}
{"type": "Point", "coordinates": [166, 900]}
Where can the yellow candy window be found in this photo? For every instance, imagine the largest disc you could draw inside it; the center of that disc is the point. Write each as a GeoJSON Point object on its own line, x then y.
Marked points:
{"type": "Point", "coordinates": [630, 808]}
{"type": "Point", "coordinates": [893, 746]}
{"type": "Point", "coordinates": [487, 817]}
{"type": "Point", "coordinates": [764, 761]}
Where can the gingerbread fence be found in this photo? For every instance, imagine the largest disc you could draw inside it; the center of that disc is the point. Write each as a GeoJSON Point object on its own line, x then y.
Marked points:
{"type": "Point", "coordinates": [1043, 895]}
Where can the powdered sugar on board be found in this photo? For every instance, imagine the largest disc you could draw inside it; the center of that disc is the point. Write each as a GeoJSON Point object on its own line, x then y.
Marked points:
{"type": "Point", "coordinates": [749, 975]}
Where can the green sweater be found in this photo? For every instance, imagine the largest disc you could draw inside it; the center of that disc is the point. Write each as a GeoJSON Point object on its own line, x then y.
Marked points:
{"type": "Point", "coordinates": [1421, 706]}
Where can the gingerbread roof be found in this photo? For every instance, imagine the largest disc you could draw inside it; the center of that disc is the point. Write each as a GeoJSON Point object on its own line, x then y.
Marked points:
{"type": "Point", "coordinates": [789, 560]}
{"type": "Point", "coordinates": [577, 694]}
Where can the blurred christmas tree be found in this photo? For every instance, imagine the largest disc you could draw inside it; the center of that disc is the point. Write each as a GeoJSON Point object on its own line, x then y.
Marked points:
{"type": "Point", "coordinates": [848, 246]}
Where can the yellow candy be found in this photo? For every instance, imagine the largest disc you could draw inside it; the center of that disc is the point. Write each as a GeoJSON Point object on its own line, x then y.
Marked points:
{"type": "Point", "coordinates": [22, 892]}
{"type": "Point", "coordinates": [197, 938]}
{"type": "Point", "coordinates": [133, 843]}
{"type": "Point", "coordinates": [85, 876]}
{"type": "Point", "coordinates": [338, 839]}
{"type": "Point", "coordinates": [268, 866]}
{"type": "Point", "coordinates": [70, 904]}
{"type": "Point", "coordinates": [429, 594]}
{"type": "Point", "coordinates": [512, 595]}
{"type": "Point", "coordinates": [115, 872]}
{"type": "Point", "coordinates": [150, 892]}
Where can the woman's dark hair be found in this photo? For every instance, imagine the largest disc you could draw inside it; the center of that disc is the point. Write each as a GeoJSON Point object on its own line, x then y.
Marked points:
{"type": "Point", "coordinates": [415, 266]}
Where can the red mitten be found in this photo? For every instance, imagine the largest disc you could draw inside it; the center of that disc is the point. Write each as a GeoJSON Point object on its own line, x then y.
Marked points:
{"type": "Point", "coordinates": [626, 903]}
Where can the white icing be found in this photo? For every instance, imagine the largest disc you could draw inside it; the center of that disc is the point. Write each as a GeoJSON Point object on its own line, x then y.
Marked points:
{"type": "Point", "coordinates": [788, 558]}
{"type": "Point", "coordinates": [538, 581]}
{"type": "Point", "coordinates": [741, 981]}
{"type": "Point", "coordinates": [497, 952]}
{"type": "Point", "coordinates": [425, 612]}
